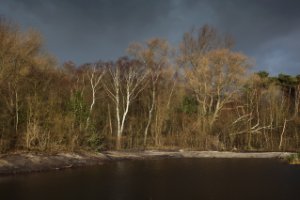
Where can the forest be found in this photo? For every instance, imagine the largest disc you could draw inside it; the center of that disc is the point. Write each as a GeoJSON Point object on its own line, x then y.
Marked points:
{"type": "Point", "coordinates": [201, 95]}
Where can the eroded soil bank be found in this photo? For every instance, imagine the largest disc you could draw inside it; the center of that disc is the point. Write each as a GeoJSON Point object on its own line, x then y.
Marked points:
{"type": "Point", "coordinates": [27, 162]}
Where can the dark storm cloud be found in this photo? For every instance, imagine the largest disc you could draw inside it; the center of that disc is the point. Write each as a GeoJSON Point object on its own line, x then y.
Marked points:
{"type": "Point", "coordinates": [83, 31]}
{"type": "Point", "coordinates": [266, 29]}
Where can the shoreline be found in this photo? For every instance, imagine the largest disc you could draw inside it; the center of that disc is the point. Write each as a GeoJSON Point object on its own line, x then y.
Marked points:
{"type": "Point", "coordinates": [29, 162]}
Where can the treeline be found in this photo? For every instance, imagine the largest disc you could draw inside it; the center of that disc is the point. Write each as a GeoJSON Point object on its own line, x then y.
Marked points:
{"type": "Point", "coordinates": [200, 95]}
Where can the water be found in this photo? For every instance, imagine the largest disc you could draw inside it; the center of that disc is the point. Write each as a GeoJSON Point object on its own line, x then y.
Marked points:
{"type": "Point", "coordinates": [161, 179]}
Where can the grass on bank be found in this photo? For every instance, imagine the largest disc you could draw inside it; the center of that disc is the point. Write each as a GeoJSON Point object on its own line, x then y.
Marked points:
{"type": "Point", "coordinates": [294, 159]}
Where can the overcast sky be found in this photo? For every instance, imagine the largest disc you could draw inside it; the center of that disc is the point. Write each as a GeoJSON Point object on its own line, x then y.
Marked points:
{"type": "Point", "coordinates": [90, 30]}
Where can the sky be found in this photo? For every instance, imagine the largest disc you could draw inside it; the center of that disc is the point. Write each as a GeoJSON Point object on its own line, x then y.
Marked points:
{"type": "Point", "coordinates": [82, 31]}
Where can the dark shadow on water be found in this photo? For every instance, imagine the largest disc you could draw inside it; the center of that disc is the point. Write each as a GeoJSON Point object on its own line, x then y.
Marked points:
{"type": "Point", "coordinates": [224, 179]}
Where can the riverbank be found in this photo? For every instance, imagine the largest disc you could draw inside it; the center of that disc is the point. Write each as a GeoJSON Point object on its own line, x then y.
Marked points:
{"type": "Point", "coordinates": [294, 159]}
{"type": "Point", "coordinates": [27, 162]}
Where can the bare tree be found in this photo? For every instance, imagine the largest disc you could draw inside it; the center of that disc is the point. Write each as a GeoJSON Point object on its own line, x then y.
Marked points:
{"type": "Point", "coordinates": [127, 81]}
{"type": "Point", "coordinates": [216, 77]}
{"type": "Point", "coordinates": [94, 75]}
{"type": "Point", "coordinates": [18, 52]}
{"type": "Point", "coordinates": [213, 72]}
{"type": "Point", "coordinates": [154, 57]}
{"type": "Point", "coordinates": [297, 97]}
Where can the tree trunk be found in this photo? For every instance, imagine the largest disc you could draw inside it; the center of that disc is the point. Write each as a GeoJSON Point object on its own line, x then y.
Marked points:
{"type": "Point", "coordinates": [149, 116]}
{"type": "Point", "coordinates": [17, 112]}
{"type": "Point", "coordinates": [282, 135]}
{"type": "Point", "coordinates": [119, 133]}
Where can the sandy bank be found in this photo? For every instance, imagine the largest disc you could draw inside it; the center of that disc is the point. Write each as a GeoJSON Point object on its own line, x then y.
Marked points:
{"type": "Point", "coordinates": [36, 162]}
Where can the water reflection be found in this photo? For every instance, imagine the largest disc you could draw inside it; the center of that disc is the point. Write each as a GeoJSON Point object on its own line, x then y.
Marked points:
{"type": "Point", "coordinates": [161, 179]}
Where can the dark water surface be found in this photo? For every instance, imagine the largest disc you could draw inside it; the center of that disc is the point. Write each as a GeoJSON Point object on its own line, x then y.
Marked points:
{"type": "Point", "coordinates": [182, 179]}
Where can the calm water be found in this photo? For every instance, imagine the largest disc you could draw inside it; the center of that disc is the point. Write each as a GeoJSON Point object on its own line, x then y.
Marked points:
{"type": "Point", "coordinates": [161, 179]}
